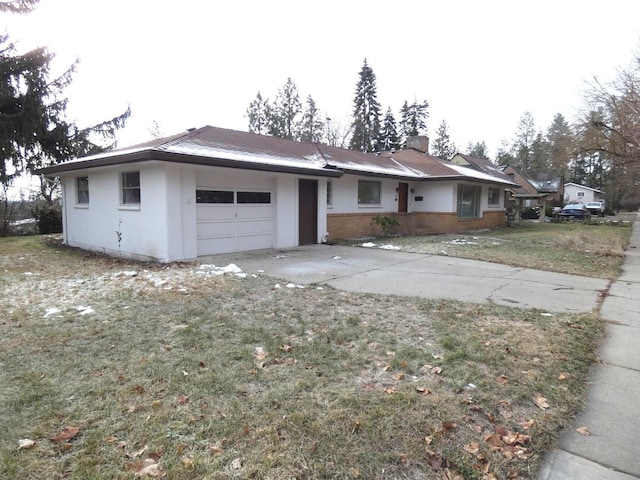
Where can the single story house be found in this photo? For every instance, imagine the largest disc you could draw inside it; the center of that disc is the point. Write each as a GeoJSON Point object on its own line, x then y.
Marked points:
{"type": "Point", "coordinates": [575, 193]}
{"type": "Point", "coordinates": [212, 190]}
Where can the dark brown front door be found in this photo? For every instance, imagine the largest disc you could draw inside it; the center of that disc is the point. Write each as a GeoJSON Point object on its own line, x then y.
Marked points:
{"type": "Point", "coordinates": [403, 195]}
{"type": "Point", "coordinates": [307, 212]}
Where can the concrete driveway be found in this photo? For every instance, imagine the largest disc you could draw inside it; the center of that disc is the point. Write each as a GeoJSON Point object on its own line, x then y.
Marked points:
{"type": "Point", "coordinates": [372, 270]}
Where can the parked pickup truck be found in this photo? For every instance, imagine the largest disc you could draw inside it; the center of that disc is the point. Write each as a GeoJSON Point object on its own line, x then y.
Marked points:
{"type": "Point", "coordinates": [596, 208]}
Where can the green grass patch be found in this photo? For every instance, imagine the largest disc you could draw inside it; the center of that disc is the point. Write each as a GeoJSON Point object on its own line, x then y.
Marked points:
{"type": "Point", "coordinates": [223, 377]}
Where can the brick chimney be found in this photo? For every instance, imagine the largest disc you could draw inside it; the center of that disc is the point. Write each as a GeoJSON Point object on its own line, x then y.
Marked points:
{"type": "Point", "coordinates": [420, 143]}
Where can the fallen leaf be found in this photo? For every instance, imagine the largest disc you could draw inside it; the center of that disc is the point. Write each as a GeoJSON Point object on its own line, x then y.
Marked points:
{"type": "Point", "coordinates": [138, 389]}
{"type": "Point", "coordinates": [286, 347]}
{"type": "Point", "coordinates": [138, 452]}
{"type": "Point", "coordinates": [472, 448]}
{"type": "Point", "coordinates": [436, 370]}
{"type": "Point", "coordinates": [25, 443]}
{"type": "Point", "coordinates": [216, 450]}
{"type": "Point", "coordinates": [583, 431]}
{"type": "Point", "coordinates": [390, 390]}
{"type": "Point", "coordinates": [423, 390]}
{"type": "Point", "coordinates": [236, 464]}
{"type": "Point", "coordinates": [67, 433]}
{"type": "Point", "coordinates": [562, 377]}
{"type": "Point", "coordinates": [503, 379]}
{"type": "Point", "coordinates": [260, 353]}
{"type": "Point", "coordinates": [183, 399]}
{"type": "Point", "coordinates": [187, 461]}
{"type": "Point", "coordinates": [428, 439]}
{"type": "Point", "coordinates": [494, 440]}
{"type": "Point", "coordinates": [398, 376]}
{"type": "Point", "coordinates": [152, 470]}
{"type": "Point", "coordinates": [540, 402]}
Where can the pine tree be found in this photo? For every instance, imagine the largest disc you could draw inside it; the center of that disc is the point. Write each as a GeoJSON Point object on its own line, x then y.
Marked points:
{"type": "Point", "coordinates": [366, 112]}
{"type": "Point", "coordinates": [443, 147]}
{"type": "Point", "coordinates": [479, 149]}
{"type": "Point", "coordinates": [561, 146]}
{"type": "Point", "coordinates": [312, 127]}
{"type": "Point", "coordinates": [389, 133]}
{"type": "Point", "coordinates": [522, 145]}
{"type": "Point", "coordinates": [413, 119]}
{"type": "Point", "coordinates": [284, 120]}
{"type": "Point", "coordinates": [34, 131]}
{"type": "Point", "coordinates": [258, 114]}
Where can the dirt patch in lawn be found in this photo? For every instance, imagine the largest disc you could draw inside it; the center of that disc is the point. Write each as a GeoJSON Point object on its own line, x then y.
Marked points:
{"type": "Point", "coordinates": [116, 369]}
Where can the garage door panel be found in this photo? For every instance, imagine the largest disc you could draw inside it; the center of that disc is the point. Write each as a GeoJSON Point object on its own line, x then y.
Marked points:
{"type": "Point", "coordinates": [223, 228]}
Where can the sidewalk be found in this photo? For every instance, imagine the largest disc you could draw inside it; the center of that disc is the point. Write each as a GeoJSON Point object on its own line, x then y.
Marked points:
{"type": "Point", "coordinates": [612, 414]}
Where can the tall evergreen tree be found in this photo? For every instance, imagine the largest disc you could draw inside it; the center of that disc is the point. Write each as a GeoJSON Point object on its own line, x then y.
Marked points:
{"type": "Point", "coordinates": [413, 119]}
{"type": "Point", "coordinates": [34, 130]}
{"type": "Point", "coordinates": [478, 149]}
{"type": "Point", "coordinates": [284, 120]}
{"type": "Point", "coordinates": [539, 165]}
{"type": "Point", "coordinates": [389, 133]}
{"type": "Point", "coordinates": [442, 146]}
{"type": "Point", "coordinates": [523, 142]}
{"type": "Point", "coordinates": [561, 142]}
{"type": "Point", "coordinates": [311, 127]}
{"type": "Point", "coordinates": [259, 113]}
{"type": "Point", "coordinates": [366, 112]}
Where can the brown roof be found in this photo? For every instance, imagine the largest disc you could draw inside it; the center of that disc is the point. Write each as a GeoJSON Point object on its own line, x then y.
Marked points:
{"type": "Point", "coordinates": [222, 147]}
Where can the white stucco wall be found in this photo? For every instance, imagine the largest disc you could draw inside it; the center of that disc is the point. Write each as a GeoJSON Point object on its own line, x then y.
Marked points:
{"type": "Point", "coordinates": [144, 228]}
{"type": "Point", "coordinates": [345, 195]}
{"type": "Point", "coordinates": [164, 226]}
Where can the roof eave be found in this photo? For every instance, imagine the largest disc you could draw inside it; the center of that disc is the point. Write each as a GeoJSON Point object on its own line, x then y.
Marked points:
{"type": "Point", "coordinates": [185, 159]}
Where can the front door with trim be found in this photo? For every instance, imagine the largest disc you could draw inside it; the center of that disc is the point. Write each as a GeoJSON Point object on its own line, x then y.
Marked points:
{"type": "Point", "coordinates": [403, 197]}
{"type": "Point", "coordinates": [307, 212]}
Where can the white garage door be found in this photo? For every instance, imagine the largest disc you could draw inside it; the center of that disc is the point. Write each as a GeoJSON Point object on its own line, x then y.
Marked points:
{"type": "Point", "coordinates": [233, 220]}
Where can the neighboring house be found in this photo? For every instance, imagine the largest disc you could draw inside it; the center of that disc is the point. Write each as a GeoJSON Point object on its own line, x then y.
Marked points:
{"type": "Point", "coordinates": [531, 193]}
{"type": "Point", "coordinates": [579, 193]}
{"type": "Point", "coordinates": [213, 190]}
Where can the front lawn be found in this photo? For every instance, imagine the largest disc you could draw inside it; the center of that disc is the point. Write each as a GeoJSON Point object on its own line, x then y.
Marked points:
{"type": "Point", "coordinates": [592, 250]}
{"type": "Point", "coordinates": [115, 370]}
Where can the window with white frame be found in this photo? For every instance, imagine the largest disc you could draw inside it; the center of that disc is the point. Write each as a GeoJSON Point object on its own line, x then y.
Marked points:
{"type": "Point", "coordinates": [368, 192]}
{"type": "Point", "coordinates": [329, 192]}
{"type": "Point", "coordinates": [468, 201]}
{"type": "Point", "coordinates": [82, 190]}
{"type": "Point", "coordinates": [130, 188]}
{"type": "Point", "coordinates": [493, 197]}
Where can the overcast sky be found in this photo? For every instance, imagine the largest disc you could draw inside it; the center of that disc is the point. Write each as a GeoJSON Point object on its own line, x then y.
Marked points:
{"type": "Point", "coordinates": [189, 63]}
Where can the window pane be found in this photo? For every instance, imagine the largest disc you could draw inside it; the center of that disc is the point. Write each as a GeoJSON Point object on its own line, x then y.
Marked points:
{"type": "Point", "coordinates": [82, 189]}
{"type": "Point", "coordinates": [131, 195]}
{"type": "Point", "coordinates": [131, 179]}
{"type": "Point", "coordinates": [214, 196]}
{"type": "Point", "coordinates": [254, 197]}
{"type": "Point", "coordinates": [329, 192]}
{"type": "Point", "coordinates": [368, 192]}
{"type": "Point", "coordinates": [130, 187]}
{"type": "Point", "coordinates": [468, 201]}
{"type": "Point", "coordinates": [494, 196]}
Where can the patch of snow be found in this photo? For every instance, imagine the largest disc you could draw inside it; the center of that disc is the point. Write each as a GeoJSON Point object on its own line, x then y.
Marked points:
{"type": "Point", "coordinates": [368, 244]}
{"type": "Point", "coordinates": [336, 257]}
{"type": "Point", "coordinates": [547, 314]}
{"type": "Point", "coordinates": [28, 274]}
{"type": "Point", "coordinates": [291, 285]}
{"type": "Point", "coordinates": [280, 257]}
{"type": "Point", "coordinates": [51, 311]}
{"type": "Point", "coordinates": [126, 273]}
{"type": "Point", "coordinates": [462, 241]}
{"type": "Point", "coordinates": [389, 247]}
{"type": "Point", "coordinates": [213, 270]}
{"type": "Point", "coordinates": [277, 285]}
{"type": "Point", "coordinates": [85, 310]}
{"type": "Point", "coordinates": [241, 275]}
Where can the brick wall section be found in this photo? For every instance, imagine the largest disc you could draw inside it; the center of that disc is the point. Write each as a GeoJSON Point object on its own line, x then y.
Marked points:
{"type": "Point", "coordinates": [354, 225]}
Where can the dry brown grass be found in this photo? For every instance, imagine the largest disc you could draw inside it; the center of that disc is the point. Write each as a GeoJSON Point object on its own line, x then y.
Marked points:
{"type": "Point", "coordinates": [221, 377]}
